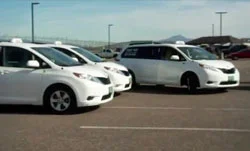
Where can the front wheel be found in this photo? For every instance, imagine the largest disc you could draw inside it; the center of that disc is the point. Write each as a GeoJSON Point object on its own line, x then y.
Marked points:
{"type": "Point", "coordinates": [60, 100]}
{"type": "Point", "coordinates": [192, 84]}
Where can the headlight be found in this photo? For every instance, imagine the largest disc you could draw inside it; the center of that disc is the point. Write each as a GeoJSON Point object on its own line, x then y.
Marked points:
{"type": "Point", "coordinates": [87, 77]}
{"type": "Point", "coordinates": [114, 70]}
{"type": "Point", "coordinates": [208, 67]}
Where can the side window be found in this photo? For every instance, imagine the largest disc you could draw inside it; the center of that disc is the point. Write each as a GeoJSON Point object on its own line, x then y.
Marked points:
{"type": "Point", "coordinates": [168, 52]}
{"type": "Point", "coordinates": [69, 53]}
{"type": "Point", "coordinates": [16, 57]}
{"type": "Point", "coordinates": [108, 51]}
{"type": "Point", "coordinates": [1, 56]}
{"type": "Point", "coordinates": [130, 53]}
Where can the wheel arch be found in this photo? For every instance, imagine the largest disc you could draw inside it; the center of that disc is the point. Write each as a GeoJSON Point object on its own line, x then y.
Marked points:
{"type": "Point", "coordinates": [186, 74]}
{"type": "Point", "coordinates": [58, 84]}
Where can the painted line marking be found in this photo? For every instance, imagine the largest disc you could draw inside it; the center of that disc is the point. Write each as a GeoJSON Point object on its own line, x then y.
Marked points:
{"type": "Point", "coordinates": [149, 108]}
{"type": "Point", "coordinates": [168, 129]}
{"type": "Point", "coordinates": [228, 109]}
{"type": "Point", "coordinates": [177, 108]}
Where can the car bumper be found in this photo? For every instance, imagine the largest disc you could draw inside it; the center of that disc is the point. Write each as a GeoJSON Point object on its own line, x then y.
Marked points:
{"type": "Point", "coordinates": [220, 80]}
{"type": "Point", "coordinates": [121, 82]}
{"type": "Point", "coordinates": [92, 94]}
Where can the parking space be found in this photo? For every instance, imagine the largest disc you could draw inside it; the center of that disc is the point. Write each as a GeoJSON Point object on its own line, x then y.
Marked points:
{"type": "Point", "coordinates": [147, 118]}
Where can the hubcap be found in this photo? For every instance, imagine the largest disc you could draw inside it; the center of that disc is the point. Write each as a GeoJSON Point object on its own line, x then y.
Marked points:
{"type": "Point", "coordinates": [60, 100]}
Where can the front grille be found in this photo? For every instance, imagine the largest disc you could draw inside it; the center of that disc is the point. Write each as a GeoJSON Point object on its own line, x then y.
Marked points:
{"type": "Point", "coordinates": [126, 73]}
{"type": "Point", "coordinates": [106, 96]}
{"type": "Point", "coordinates": [228, 71]}
{"type": "Point", "coordinates": [104, 80]}
{"type": "Point", "coordinates": [228, 82]}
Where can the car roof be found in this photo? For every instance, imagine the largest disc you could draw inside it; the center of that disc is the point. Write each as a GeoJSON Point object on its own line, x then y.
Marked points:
{"type": "Point", "coordinates": [61, 46]}
{"type": "Point", "coordinates": [22, 45]}
{"type": "Point", "coordinates": [171, 45]}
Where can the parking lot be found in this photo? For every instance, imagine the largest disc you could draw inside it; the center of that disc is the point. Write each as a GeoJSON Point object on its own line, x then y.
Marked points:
{"type": "Point", "coordinates": [147, 118]}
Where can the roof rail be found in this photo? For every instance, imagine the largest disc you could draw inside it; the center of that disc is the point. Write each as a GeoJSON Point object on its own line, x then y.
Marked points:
{"type": "Point", "coordinates": [143, 42]}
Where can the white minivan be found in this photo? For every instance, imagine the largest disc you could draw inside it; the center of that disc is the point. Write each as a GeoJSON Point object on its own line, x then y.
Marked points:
{"type": "Point", "coordinates": [39, 75]}
{"type": "Point", "coordinates": [118, 74]}
{"type": "Point", "coordinates": [178, 65]}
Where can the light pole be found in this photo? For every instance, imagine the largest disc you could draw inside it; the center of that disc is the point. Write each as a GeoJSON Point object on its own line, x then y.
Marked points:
{"type": "Point", "coordinates": [221, 13]}
{"type": "Point", "coordinates": [109, 25]}
{"type": "Point", "coordinates": [213, 30]}
{"type": "Point", "coordinates": [32, 20]}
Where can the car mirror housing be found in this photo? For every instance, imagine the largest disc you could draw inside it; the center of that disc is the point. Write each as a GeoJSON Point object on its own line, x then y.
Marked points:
{"type": "Point", "coordinates": [33, 64]}
{"type": "Point", "coordinates": [175, 58]}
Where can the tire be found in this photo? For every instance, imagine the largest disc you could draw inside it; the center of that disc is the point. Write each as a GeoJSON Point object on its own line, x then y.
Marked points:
{"type": "Point", "coordinates": [235, 58]}
{"type": "Point", "coordinates": [192, 84]}
{"type": "Point", "coordinates": [60, 100]}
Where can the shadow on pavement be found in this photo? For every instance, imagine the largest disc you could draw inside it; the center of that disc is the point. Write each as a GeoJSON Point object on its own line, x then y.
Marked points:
{"type": "Point", "coordinates": [39, 110]}
{"type": "Point", "coordinates": [173, 90]}
{"type": "Point", "coordinates": [244, 85]}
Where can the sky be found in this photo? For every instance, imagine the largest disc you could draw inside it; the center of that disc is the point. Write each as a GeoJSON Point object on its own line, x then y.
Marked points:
{"type": "Point", "coordinates": [131, 19]}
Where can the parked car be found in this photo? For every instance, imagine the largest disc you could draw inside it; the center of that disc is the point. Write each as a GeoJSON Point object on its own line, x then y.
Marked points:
{"type": "Point", "coordinates": [178, 65]}
{"type": "Point", "coordinates": [38, 75]}
{"type": "Point", "coordinates": [107, 53]}
{"type": "Point", "coordinates": [233, 49]}
{"type": "Point", "coordinates": [118, 74]}
{"type": "Point", "coordinates": [245, 53]}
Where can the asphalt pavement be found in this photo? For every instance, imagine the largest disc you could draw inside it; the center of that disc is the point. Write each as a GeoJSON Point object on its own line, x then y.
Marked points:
{"type": "Point", "coordinates": [147, 118]}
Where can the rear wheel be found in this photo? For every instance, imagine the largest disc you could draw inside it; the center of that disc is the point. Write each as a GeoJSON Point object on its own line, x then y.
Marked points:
{"type": "Point", "coordinates": [60, 100]}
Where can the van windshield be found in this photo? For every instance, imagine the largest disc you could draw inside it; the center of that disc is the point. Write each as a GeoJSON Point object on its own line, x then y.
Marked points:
{"type": "Point", "coordinates": [56, 56]}
{"type": "Point", "coordinates": [196, 53]}
{"type": "Point", "coordinates": [88, 55]}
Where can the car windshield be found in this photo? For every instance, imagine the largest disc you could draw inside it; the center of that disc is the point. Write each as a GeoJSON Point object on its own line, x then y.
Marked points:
{"type": "Point", "coordinates": [197, 53]}
{"type": "Point", "coordinates": [56, 56]}
{"type": "Point", "coordinates": [88, 55]}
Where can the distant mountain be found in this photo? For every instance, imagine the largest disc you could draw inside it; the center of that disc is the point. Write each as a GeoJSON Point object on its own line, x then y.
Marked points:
{"type": "Point", "coordinates": [175, 38]}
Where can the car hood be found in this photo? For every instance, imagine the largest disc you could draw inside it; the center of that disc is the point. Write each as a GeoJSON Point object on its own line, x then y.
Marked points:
{"type": "Point", "coordinates": [112, 65]}
{"type": "Point", "coordinates": [88, 69]}
{"type": "Point", "coordinates": [216, 63]}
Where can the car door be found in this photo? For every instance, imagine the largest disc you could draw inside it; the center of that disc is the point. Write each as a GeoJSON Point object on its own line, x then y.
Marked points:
{"type": "Point", "coordinates": [4, 78]}
{"type": "Point", "coordinates": [170, 70]}
{"type": "Point", "coordinates": [144, 64]}
{"type": "Point", "coordinates": [24, 84]}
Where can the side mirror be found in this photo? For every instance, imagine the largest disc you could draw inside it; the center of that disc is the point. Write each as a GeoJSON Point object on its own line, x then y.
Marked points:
{"type": "Point", "coordinates": [33, 64]}
{"type": "Point", "coordinates": [74, 58]}
{"type": "Point", "coordinates": [175, 58]}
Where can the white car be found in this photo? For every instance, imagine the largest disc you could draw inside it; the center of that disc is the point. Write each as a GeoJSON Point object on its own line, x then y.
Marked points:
{"type": "Point", "coordinates": [39, 75]}
{"type": "Point", "coordinates": [107, 53]}
{"type": "Point", "coordinates": [118, 74]}
{"type": "Point", "coordinates": [178, 65]}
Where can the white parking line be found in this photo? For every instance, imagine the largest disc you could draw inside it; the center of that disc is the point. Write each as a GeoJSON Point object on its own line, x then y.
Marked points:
{"type": "Point", "coordinates": [149, 108]}
{"type": "Point", "coordinates": [177, 108]}
{"type": "Point", "coordinates": [168, 129]}
{"type": "Point", "coordinates": [228, 109]}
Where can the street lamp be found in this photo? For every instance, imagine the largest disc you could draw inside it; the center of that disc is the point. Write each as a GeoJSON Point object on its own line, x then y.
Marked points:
{"type": "Point", "coordinates": [32, 19]}
{"type": "Point", "coordinates": [109, 25]}
{"type": "Point", "coordinates": [221, 13]}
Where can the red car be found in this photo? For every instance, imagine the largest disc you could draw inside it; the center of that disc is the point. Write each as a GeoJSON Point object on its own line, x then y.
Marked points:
{"type": "Point", "coordinates": [245, 53]}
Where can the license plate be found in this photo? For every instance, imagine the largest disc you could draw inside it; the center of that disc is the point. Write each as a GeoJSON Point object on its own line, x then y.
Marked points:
{"type": "Point", "coordinates": [110, 89]}
{"type": "Point", "coordinates": [230, 78]}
